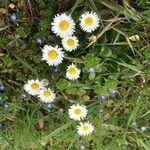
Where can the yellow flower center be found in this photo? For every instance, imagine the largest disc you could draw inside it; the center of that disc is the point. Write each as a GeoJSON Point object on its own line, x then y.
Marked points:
{"type": "Point", "coordinates": [35, 86]}
{"type": "Point", "coordinates": [64, 25]}
{"type": "Point", "coordinates": [77, 111]}
{"type": "Point", "coordinates": [85, 128]}
{"type": "Point", "coordinates": [47, 93]}
{"type": "Point", "coordinates": [89, 21]}
{"type": "Point", "coordinates": [72, 71]}
{"type": "Point", "coordinates": [70, 42]}
{"type": "Point", "coordinates": [52, 54]}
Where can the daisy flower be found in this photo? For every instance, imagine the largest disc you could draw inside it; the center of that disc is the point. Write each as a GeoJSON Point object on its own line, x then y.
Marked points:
{"type": "Point", "coordinates": [70, 43]}
{"type": "Point", "coordinates": [77, 112]}
{"type": "Point", "coordinates": [33, 87]}
{"type": "Point", "coordinates": [72, 72]}
{"type": "Point", "coordinates": [47, 95]}
{"type": "Point", "coordinates": [89, 21]}
{"type": "Point", "coordinates": [85, 128]}
{"type": "Point", "coordinates": [63, 25]}
{"type": "Point", "coordinates": [52, 55]}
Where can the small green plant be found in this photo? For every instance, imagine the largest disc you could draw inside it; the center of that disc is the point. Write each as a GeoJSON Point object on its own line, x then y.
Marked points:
{"type": "Point", "coordinates": [74, 75]}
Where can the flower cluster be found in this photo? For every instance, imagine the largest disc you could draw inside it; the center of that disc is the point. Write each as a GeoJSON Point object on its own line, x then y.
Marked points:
{"type": "Point", "coordinates": [79, 112]}
{"type": "Point", "coordinates": [36, 87]}
{"type": "Point", "coordinates": [64, 26]}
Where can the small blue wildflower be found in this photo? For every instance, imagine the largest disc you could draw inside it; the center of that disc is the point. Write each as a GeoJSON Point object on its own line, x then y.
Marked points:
{"type": "Point", "coordinates": [82, 147]}
{"type": "Point", "coordinates": [13, 17]}
{"type": "Point", "coordinates": [5, 106]}
{"type": "Point", "coordinates": [40, 41]}
{"type": "Point", "coordinates": [102, 98]}
{"type": "Point", "coordinates": [114, 92]}
{"type": "Point", "coordinates": [101, 110]}
{"type": "Point", "coordinates": [92, 70]}
{"type": "Point", "coordinates": [2, 88]}
{"type": "Point", "coordinates": [55, 70]}
{"type": "Point", "coordinates": [49, 105]}
{"type": "Point", "coordinates": [23, 96]}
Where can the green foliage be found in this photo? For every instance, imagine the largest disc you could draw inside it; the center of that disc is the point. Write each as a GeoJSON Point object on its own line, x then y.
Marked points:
{"type": "Point", "coordinates": [120, 64]}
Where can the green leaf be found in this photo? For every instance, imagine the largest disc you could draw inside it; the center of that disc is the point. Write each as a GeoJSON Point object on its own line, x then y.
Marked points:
{"type": "Point", "coordinates": [62, 84]}
{"type": "Point", "coordinates": [91, 60]}
{"type": "Point", "coordinates": [105, 52]}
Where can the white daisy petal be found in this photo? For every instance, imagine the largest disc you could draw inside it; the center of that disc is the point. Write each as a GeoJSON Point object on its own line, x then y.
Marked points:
{"type": "Point", "coordinates": [47, 95]}
{"type": "Point", "coordinates": [70, 43]}
{"type": "Point", "coordinates": [77, 112]}
{"type": "Point", "coordinates": [85, 128]}
{"type": "Point", "coordinates": [33, 87]}
{"type": "Point", "coordinates": [72, 72]}
{"type": "Point", "coordinates": [63, 25]}
{"type": "Point", "coordinates": [52, 55]}
{"type": "Point", "coordinates": [89, 21]}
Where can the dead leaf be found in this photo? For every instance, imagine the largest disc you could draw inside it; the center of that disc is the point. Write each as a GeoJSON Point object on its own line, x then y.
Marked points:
{"type": "Point", "coordinates": [41, 123]}
{"type": "Point", "coordinates": [3, 11]}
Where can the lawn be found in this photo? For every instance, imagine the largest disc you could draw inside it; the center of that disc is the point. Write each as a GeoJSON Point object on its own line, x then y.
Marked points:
{"type": "Point", "coordinates": [74, 75]}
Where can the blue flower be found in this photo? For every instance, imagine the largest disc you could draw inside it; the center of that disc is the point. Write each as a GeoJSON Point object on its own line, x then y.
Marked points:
{"type": "Point", "coordinates": [102, 98]}
{"type": "Point", "coordinates": [114, 92]}
{"type": "Point", "coordinates": [23, 96]}
{"type": "Point", "coordinates": [13, 17]}
{"type": "Point", "coordinates": [40, 41]}
{"type": "Point", "coordinates": [2, 88]}
{"type": "Point", "coordinates": [49, 105]}
{"type": "Point", "coordinates": [5, 106]}
{"type": "Point", "coordinates": [92, 70]}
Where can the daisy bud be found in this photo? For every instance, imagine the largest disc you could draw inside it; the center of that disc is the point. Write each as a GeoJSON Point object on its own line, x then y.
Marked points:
{"type": "Point", "coordinates": [134, 38]}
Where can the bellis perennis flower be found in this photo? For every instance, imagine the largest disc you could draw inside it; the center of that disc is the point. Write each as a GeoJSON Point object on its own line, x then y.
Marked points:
{"type": "Point", "coordinates": [33, 87]}
{"type": "Point", "coordinates": [70, 43]}
{"type": "Point", "coordinates": [77, 112]}
{"type": "Point", "coordinates": [47, 95]}
{"type": "Point", "coordinates": [85, 128]}
{"type": "Point", "coordinates": [63, 25]}
{"type": "Point", "coordinates": [52, 55]}
{"type": "Point", "coordinates": [72, 72]}
{"type": "Point", "coordinates": [89, 21]}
